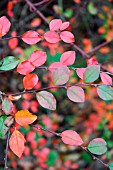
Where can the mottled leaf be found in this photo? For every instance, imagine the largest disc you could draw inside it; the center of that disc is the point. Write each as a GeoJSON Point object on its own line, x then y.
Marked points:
{"type": "Point", "coordinates": [97, 146]}
{"type": "Point", "coordinates": [60, 75]}
{"type": "Point", "coordinates": [105, 92]}
{"type": "Point", "coordinates": [91, 73]}
{"type": "Point", "coordinates": [46, 100]}
{"type": "Point", "coordinates": [76, 94]}
{"type": "Point", "coordinates": [9, 63]}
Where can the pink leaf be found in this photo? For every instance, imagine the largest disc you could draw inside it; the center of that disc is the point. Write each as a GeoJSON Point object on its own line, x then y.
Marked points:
{"type": "Point", "coordinates": [106, 79]}
{"type": "Point", "coordinates": [52, 37]}
{"type": "Point", "coordinates": [25, 67]}
{"type": "Point", "coordinates": [76, 94]}
{"type": "Point", "coordinates": [31, 37]}
{"type": "Point", "coordinates": [55, 24]}
{"type": "Point", "coordinates": [55, 65]}
{"type": "Point", "coordinates": [80, 72]}
{"type": "Point", "coordinates": [68, 58]}
{"type": "Point", "coordinates": [4, 26]}
{"type": "Point", "coordinates": [67, 36]}
{"type": "Point", "coordinates": [64, 26]}
{"type": "Point", "coordinates": [71, 137]}
{"type": "Point", "coordinates": [37, 58]}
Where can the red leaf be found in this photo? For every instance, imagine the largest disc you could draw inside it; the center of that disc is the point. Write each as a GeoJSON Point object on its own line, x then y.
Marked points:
{"type": "Point", "coordinates": [55, 65]}
{"type": "Point", "coordinates": [4, 26]}
{"type": "Point", "coordinates": [80, 72]}
{"type": "Point", "coordinates": [52, 37]}
{"type": "Point", "coordinates": [24, 117]}
{"type": "Point", "coordinates": [76, 94]}
{"type": "Point", "coordinates": [71, 137]}
{"type": "Point", "coordinates": [25, 67]}
{"type": "Point", "coordinates": [31, 37]}
{"type": "Point", "coordinates": [67, 36]}
{"type": "Point", "coordinates": [68, 58]}
{"type": "Point", "coordinates": [13, 43]}
{"type": "Point", "coordinates": [16, 143]}
{"type": "Point", "coordinates": [35, 22]}
{"type": "Point", "coordinates": [92, 61]}
{"type": "Point", "coordinates": [55, 24]}
{"type": "Point", "coordinates": [106, 79]}
{"type": "Point", "coordinates": [37, 58]}
{"type": "Point", "coordinates": [30, 80]}
{"type": "Point", "coordinates": [64, 26]}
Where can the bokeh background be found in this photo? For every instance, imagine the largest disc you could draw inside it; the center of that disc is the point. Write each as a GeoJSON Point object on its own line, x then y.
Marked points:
{"type": "Point", "coordinates": [91, 23]}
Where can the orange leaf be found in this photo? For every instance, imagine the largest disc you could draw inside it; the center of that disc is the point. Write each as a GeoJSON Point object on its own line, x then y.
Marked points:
{"type": "Point", "coordinates": [30, 80]}
{"type": "Point", "coordinates": [24, 117]}
{"type": "Point", "coordinates": [16, 143]}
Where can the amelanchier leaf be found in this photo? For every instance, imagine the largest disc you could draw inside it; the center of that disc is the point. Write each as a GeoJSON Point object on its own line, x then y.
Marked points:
{"type": "Point", "coordinates": [76, 94]}
{"type": "Point", "coordinates": [111, 166]}
{"type": "Point", "coordinates": [105, 92]}
{"type": "Point", "coordinates": [91, 73]}
{"type": "Point", "coordinates": [97, 146]}
{"type": "Point", "coordinates": [16, 143]}
{"type": "Point", "coordinates": [60, 75]}
{"type": "Point", "coordinates": [46, 100]}
{"type": "Point", "coordinates": [3, 128]}
{"type": "Point", "coordinates": [9, 63]}
{"type": "Point", "coordinates": [24, 117]}
{"type": "Point", "coordinates": [71, 137]}
{"type": "Point", "coordinates": [7, 106]}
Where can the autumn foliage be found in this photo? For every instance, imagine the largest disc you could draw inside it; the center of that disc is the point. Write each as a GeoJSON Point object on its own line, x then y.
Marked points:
{"type": "Point", "coordinates": [56, 87]}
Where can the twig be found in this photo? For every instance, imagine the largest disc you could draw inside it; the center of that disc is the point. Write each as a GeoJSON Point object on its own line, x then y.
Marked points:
{"type": "Point", "coordinates": [41, 2]}
{"type": "Point", "coordinates": [81, 147]}
{"type": "Point", "coordinates": [52, 87]}
{"type": "Point", "coordinates": [6, 151]}
{"type": "Point", "coordinates": [100, 46]}
{"type": "Point", "coordinates": [36, 11]}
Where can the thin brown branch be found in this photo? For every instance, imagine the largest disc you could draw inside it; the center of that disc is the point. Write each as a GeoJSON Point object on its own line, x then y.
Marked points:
{"type": "Point", "coordinates": [41, 2]}
{"type": "Point", "coordinates": [100, 46]}
{"type": "Point", "coordinates": [52, 87]}
{"type": "Point", "coordinates": [81, 147]}
{"type": "Point", "coordinates": [30, 4]}
{"type": "Point", "coordinates": [6, 151]}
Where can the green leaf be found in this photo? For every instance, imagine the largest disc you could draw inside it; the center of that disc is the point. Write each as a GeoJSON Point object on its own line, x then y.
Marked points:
{"type": "Point", "coordinates": [68, 13]}
{"type": "Point", "coordinates": [52, 157]}
{"type": "Point", "coordinates": [92, 9]}
{"type": "Point", "coordinates": [3, 128]}
{"type": "Point", "coordinates": [91, 73]}
{"type": "Point", "coordinates": [111, 166]}
{"type": "Point", "coordinates": [105, 92]}
{"type": "Point", "coordinates": [97, 146]}
{"type": "Point", "coordinates": [9, 63]}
